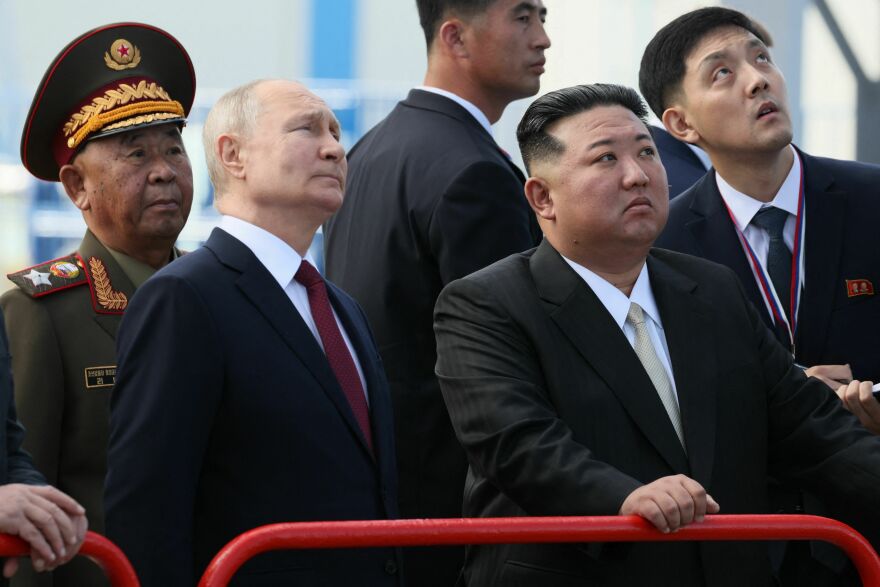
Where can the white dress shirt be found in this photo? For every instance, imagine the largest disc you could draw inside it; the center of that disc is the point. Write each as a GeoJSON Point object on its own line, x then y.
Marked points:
{"type": "Point", "coordinates": [282, 262]}
{"type": "Point", "coordinates": [617, 304]}
{"type": "Point", "coordinates": [744, 208]}
{"type": "Point", "coordinates": [473, 110]}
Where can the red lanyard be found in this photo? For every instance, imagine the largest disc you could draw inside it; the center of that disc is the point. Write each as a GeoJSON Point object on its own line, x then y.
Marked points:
{"type": "Point", "coordinates": [797, 266]}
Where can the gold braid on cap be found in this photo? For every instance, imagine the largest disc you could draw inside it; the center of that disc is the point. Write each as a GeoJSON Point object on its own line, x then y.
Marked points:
{"type": "Point", "coordinates": [114, 106]}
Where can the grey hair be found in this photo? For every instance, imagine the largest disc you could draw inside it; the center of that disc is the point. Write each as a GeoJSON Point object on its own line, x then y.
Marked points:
{"type": "Point", "coordinates": [235, 112]}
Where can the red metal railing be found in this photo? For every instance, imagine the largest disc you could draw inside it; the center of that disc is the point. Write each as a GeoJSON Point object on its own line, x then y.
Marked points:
{"type": "Point", "coordinates": [304, 535]}
{"type": "Point", "coordinates": [103, 552]}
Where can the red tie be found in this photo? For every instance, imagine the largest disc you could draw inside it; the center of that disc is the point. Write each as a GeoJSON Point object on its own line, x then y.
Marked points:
{"type": "Point", "coordinates": [334, 346]}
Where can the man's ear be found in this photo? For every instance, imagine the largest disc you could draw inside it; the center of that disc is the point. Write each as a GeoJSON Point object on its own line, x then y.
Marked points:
{"type": "Point", "coordinates": [229, 153]}
{"type": "Point", "coordinates": [73, 180]}
{"type": "Point", "coordinates": [450, 38]}
{"type": "Point", "coordinates": [676, 122]}
{"type": "Point", "coordinates": [538, 195]}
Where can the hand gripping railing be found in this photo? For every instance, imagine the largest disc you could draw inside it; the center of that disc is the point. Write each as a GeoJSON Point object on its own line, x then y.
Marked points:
{"type": "Point", "coordinates": [304, 535]}
{"type": "Point", "coordinates": [103, 552]}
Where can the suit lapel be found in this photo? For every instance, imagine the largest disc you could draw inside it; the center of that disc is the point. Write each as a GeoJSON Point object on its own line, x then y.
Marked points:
{"type": "Point", "coordinates": [258, 285]}
{"type": "Point", "coordinates": [716, 238]}
{"type": "Point", "coordinates": [826, 214]}
{"type": "Point", "coordinates": [589, 327]}
{"type": "Point", "coordinates": [687, 325]}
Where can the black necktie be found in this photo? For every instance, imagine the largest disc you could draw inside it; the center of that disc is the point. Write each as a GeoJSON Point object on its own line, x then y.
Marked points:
{"type": "Point", "coordinates": [772, 220]}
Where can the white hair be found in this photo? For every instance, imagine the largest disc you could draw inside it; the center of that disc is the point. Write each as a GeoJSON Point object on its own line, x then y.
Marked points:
{"type": "Point", "coordinates": [235, 112]}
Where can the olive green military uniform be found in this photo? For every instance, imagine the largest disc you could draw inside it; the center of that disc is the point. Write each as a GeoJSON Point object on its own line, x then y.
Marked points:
{"type": "Point", "coordinates": [61, 322]}
{"type": "Point", "coordinates": [62, 319]}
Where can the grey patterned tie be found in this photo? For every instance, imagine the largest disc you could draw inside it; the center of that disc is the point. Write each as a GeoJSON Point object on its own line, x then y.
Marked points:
{"type": "Point", "coordinates": [772, 220]}
{"type": "Point", "coordinates": [648, 356]}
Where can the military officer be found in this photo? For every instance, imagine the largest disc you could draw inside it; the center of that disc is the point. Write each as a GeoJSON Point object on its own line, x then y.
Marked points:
{"type": "Point", "coordinates": [105, 122]}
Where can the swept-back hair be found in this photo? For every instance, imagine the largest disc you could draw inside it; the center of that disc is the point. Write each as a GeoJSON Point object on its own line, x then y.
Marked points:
{"type": "Point", "coordinates": [535, 143]}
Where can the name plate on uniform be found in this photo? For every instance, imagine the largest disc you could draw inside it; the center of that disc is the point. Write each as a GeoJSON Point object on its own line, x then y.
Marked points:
{"type": "Point", "coordinates": [100, 376]}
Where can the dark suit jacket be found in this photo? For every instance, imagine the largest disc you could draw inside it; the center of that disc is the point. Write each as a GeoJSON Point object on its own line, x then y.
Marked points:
{"type": "Point", "coordinates": [559, 417]}
{"type": "Point", "coordinates": [683, 167]}
{"type": "Point", "coordinates": [226, 416]}
{"type": "Point", "coordinates": [16, 465]}
{"type": "Point", "coordinates": [430, 198]}
{"type": "Point", "coordinates": [842, 201]}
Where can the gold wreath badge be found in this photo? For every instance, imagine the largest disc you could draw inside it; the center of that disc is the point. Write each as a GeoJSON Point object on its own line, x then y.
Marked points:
{"type": "Point", "coordinates": [107, 297]}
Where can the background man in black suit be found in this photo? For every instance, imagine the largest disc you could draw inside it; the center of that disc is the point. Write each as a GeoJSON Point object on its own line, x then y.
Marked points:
{"type": "Point", "coordinates": [249, 389]}
{"type": "Point", "coordinates": [431, 197]}
{"type": "Point", "coordinates": [51, 522]}
{"type": "Point", "coordinates": [710, 77]}
{"type": "Point", "coordinates": [594, 375]}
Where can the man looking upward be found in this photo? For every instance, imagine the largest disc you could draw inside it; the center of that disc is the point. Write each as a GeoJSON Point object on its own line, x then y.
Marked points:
{"type": "Point", "coordinates": [250, 390]}
{"type": "Point", "coordinates": [596, 375]}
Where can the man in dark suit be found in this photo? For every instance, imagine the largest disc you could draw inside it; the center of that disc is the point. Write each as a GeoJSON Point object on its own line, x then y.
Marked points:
{"type": "Point", "coordinates": [684, 167]}
{"type": "Point", "coordinates": [595, 375]}
{"type": "Point", "coordinates": [52, 523]}
{"type": "Point", "coordinates": [432, 197]}
{"type": "Point", "coordinates": [105, 122]}
{"type": "Point", "coordinates": [799, 231]}
{"type": "Point", "coordinates": [709, 76]}
{"type": "Point", "coordinates": [249, 389]}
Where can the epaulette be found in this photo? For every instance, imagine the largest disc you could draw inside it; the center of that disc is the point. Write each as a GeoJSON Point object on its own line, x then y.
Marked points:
{"type": "Point", "coordinates": [51, 276]}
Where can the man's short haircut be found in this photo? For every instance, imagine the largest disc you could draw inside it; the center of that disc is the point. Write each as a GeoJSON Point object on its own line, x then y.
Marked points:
{"type": "Point", "coordinates": [235, 112]}
{"type": "Point", "coordinates": [536, 144]}
{"type": "Point", "coordinates": [432, 13]}
{"type": "Point", "coordinates": [663, 62]}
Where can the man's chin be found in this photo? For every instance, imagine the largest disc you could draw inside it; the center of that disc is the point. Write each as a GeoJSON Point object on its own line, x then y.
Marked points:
{"type": "Point", "coordinates": [167, 230]}
{"type": "Point", "coordinates": [776, 141]}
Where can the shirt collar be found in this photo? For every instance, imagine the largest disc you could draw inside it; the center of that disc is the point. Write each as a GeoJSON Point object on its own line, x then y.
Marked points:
{"type": "Point", "coordinates": [279, 258]}
{"type": "Point", "coordinates": [471, 108]}
{"type": "Point", "coordinates": [744, 207]}
{"type": "Point", "coordinates": [614, 300]}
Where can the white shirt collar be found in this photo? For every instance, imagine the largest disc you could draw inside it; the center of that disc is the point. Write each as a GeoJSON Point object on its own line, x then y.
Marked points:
{"type": "Point", "coordinates": [614, 300]}
{"type": "Point", "coordinates": [474, 111]}
{"type": "Point", "coordinates": [279, 258]}
{"type": "Point", "coordinates": [744, 207]}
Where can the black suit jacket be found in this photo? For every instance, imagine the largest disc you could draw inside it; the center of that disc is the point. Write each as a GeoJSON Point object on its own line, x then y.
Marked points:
{"type": "Point", "coordinates": [226, 416]}
{"type": "Point", "coordinates": [16, 465]}
{"type": "Point", "coordinates": [683, 167]}
{"type": "Point", "coordinates": [430, 198]}
{"type": "Point", "coordinates": [842, 240]}
{"type": "Point", "coordinates": [559, 417]}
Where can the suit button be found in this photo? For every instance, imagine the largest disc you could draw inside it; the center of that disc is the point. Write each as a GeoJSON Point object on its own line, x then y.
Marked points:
{"type": "Point", "coordinates": [391, 567]}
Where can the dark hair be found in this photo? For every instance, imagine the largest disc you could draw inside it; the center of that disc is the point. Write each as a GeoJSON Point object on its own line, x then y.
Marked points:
{"type": "Point", "coordinates": [534, 141]}
{"type": "Point", "coordinates": [663, 63]}
{"type": "Point", "coordinates": [433, 12]}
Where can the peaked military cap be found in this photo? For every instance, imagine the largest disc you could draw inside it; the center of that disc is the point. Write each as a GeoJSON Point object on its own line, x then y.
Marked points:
{"type": "Point", "coordinates": [109, 80]}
